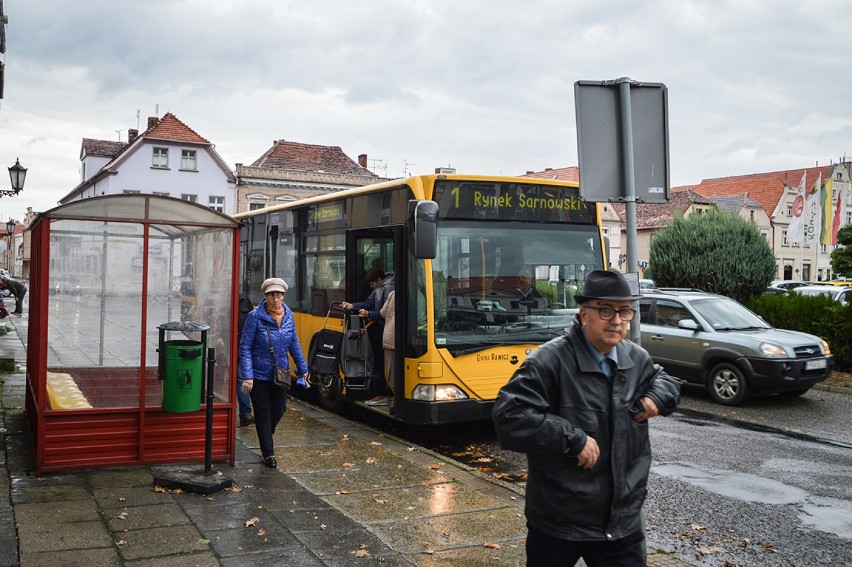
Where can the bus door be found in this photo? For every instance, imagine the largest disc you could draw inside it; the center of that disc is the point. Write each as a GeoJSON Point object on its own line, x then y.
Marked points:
{"type": "Point", "coordinates": [383, 249]}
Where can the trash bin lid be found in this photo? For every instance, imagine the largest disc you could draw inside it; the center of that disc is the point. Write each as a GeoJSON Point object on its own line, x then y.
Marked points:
{"type": "Point", "coordinates": [184, 326]}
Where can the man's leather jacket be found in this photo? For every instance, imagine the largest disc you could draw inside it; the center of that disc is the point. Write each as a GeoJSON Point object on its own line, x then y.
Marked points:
{"type": "Point", "coordinates": [557, 397]}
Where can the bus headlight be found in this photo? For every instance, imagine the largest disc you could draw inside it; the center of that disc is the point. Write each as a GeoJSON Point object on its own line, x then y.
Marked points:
{"type": "Point", "coordinates": [439, 393]}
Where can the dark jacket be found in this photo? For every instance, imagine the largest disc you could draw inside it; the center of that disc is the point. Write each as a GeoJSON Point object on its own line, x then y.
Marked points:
{"type": "Point", "coordinates": [377, 298]}
{"type": "Point", "coordinates": [557, 397]}
{"type": "Point", "coordinates": [17, 288]}
{"type": "Point", "coordinates": [255, 358]}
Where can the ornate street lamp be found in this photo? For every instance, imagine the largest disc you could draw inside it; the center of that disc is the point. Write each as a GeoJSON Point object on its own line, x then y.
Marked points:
{"type": "Point", "coordinates": [18, 174]}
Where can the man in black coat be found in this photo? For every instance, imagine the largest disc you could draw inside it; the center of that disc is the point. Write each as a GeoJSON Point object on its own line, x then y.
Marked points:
{"type": "Point", "coordinates": [18, 289]}
{"type": "Point", "coordinates": [579, 407]}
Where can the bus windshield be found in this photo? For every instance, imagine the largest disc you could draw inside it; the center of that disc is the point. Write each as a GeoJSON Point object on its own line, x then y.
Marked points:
{"type": "Point", "coordinates": [508, 282]}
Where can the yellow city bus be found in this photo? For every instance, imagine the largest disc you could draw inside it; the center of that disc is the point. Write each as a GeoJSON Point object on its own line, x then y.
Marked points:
{"type": "Point", "coordinates": [462, 250]}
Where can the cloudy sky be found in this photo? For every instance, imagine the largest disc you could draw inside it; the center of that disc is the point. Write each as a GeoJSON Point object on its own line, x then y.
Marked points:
{"type": "Point", "coordinates": [483, 86]}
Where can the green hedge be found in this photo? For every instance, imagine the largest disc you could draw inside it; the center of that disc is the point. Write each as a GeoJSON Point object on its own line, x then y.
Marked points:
{"type": "Point", "coordinates": [818, 316]}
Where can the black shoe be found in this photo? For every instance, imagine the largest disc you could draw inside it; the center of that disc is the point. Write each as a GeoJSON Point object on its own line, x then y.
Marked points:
{"type": "Point", "coordinates": [246, 420]}
{"type": "Point", "coordinates": [270, 462]}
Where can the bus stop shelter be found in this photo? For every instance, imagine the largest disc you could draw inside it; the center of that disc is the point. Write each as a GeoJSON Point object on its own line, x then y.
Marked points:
{"type": "Point", "coordinates": [108, 275]}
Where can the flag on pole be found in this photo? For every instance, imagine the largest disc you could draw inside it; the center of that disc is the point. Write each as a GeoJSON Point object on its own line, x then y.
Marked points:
{"type": "Point", "coordinates": [839, 214]}
{"type": "Point", "coordinates": [825, 202]}
{"type": "Point", "coordinates": [796, 230]}
{"type": "Point", "coordinates": [812, 213]}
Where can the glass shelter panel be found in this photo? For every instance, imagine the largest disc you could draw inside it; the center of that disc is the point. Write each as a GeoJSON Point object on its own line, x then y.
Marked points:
{"type": "Point", "coordinates": [95, 312]}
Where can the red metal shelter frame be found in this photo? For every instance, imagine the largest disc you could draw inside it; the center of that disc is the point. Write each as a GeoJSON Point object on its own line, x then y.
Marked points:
{"type": "Point", "coordinates": [111, 414]}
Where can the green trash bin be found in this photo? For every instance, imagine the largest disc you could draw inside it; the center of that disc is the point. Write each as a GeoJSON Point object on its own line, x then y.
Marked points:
{"type": "Point", "coordinates": [182, 376]}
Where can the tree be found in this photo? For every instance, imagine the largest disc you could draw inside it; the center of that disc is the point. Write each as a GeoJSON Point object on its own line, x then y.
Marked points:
{"type": "Point", "coordinates": [715, 252]}
{"type": "Point", "coordinates": [841, 257]}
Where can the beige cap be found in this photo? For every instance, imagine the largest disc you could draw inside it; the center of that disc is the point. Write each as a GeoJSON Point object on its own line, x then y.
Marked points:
{"type": "Point", "coordinates": [273, 284]}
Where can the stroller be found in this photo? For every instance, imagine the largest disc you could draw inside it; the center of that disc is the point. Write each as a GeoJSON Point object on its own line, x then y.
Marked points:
{"type": "Point", "coordinates": [324, 349]}
{"type": "Point", "coordinates": [332, 353]}
{"type": "Point", "coordinates": [356, 354]}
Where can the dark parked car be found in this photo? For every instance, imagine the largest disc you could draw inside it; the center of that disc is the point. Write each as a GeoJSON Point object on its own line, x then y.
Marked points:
{"type": "Point", "coordinates": [714, 341]}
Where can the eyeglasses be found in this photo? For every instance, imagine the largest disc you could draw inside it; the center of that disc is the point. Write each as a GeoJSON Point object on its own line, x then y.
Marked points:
{"type": "Point", "coordinates": [607, 313]}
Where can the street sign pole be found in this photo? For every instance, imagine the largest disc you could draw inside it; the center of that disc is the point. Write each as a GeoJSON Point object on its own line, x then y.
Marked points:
{"type": "Point", "coordinates": [629, 189]}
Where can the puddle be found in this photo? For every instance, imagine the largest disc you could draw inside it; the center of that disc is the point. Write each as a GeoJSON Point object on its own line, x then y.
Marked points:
{"type": "Point", "coordinates": [828, 515]}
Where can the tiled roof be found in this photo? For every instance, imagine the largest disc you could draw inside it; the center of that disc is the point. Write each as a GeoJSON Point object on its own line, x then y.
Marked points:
{"type": "Point", "coordinates": [102, 148]}
{"type": "Point", "coordinates": [650, 216]}
{"type": "Point", "coordinates": [560, 173]}
{"type": "Point", "coordinates": [312, 158]}
{"type": "Point", "coordinates": [765, 188]}
{"type": "Point", "coordinates": [172, 129]}
{"type": "Point", "coordinates": [735, 203]}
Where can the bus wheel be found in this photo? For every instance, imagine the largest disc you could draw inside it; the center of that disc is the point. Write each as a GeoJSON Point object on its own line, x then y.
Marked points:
{"type": "Point", "coordinates": [330, 396]}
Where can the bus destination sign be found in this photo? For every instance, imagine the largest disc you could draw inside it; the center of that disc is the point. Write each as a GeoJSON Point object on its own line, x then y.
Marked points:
{"type": "Point", "coordinates": [512, 201]}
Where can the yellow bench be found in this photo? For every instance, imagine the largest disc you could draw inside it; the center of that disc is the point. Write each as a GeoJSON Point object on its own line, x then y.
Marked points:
{"type": "Point", "coordinates": [63, 392]}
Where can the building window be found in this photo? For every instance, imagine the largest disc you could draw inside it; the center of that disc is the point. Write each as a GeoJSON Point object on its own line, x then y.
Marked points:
{"type": "Point", "coordinates": [751, 215]}
{"type": "Point", "coordinates": [217, 204]}
{"type": "Point", "coordinates": [784, 238]}
{"type": "Point", "coordinates": [765, 234]}
{"type": "Point", "coordinates": [189, 197]}
{"type": "Point", "coordinates": [160, 193]}
{"type": "Point", "coordinates": [131, 191]}
{"type": "Point", "coordinates": [187, 160]}
{"type": "Point", "coordinates": [256, 206]}
{"type": "Point", "coordinates": [161, 158]}
{"type": "Point", "coordinates": [790, 210]}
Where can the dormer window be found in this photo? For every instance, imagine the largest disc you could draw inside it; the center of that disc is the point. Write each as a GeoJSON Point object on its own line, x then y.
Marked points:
{"type": "Point", "coordinates": [161, 158]}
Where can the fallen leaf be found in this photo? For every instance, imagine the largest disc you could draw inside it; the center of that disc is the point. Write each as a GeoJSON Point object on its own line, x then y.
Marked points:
{"type": "Point", "coordinates": [159, 489]}
{"type": "Point", "coordinates": [482, 460]}
{"type": "Point", "coordinates": [322, 526]}
{"type": "Point", "coordinates": [203, 541]}
{"type": "Point", "coordinates": [360, 553]}
{"type": "Point", "coordinates": [261, 532]}
{"type": "Point", "coordinates": [375, 443]}
{"type": "Point", "coordinates": [380, 501]}
{"type": "Point", "coordinates": [709, 549]}
{"type": "Point", "coordinates": [122, 516]}
{"type": "Point", "coordinates": [411, 448]}
{"type": "Point", "coordinates": [253, 522]}
{"type": "Point", "coordinates": [344, 491]}
{"type": "Point", "coordinates": [426, 483]}
{"type": "Point", "coordinates": [347, 465]}
{"type": "Point", "coordinates": [698, 528]}
{"type": "Point", "coordinates": [492, 545]}
{"type": "Point", "coordinates": [435, 466]}
{"type": "Point", "coordinates": [235, 489]}
{"type": "Point", "coordinates": [372, 460]}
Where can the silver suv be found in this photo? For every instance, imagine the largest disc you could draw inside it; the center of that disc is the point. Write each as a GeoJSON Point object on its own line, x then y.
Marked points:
{"type": "Point", "coordinates": [714, 341]}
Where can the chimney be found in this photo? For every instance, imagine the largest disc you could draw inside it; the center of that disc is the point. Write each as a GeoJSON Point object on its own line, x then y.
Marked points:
{"type": "Point", "coordinates": [132, 134]}
{"type": "Point", "coordinates": [362, 160]}
{"type": "Point", "coordinates": [152, 121]}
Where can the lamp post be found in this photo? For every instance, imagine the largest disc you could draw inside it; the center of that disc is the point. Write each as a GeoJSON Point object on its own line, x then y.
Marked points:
{"type": "Point", "coordinates": [17, 174]}
{"type": "Point", "coordinates": [10, 230]}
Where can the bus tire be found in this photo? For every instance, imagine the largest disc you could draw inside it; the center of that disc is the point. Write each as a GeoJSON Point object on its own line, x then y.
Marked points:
{"type": "Point", "coordinates": [329, 392]}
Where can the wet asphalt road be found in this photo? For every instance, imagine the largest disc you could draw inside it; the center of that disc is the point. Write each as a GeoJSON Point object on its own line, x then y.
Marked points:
{"type": "Point", "coordinates": [768, 483]}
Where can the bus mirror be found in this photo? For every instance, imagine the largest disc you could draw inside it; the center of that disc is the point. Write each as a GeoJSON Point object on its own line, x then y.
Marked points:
{"type": "Point", "coordinates": [425, 229]}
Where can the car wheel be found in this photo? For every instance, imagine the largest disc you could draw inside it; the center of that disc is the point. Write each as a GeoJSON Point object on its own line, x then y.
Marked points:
{"type": "Point", "coordinates": [727, 385]}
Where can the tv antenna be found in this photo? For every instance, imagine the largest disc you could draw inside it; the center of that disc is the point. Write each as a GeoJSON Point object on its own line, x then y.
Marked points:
{"type": "Point", "coordinates": [119, 133]}
{"type": "Point", "coordinates": [406, 165]}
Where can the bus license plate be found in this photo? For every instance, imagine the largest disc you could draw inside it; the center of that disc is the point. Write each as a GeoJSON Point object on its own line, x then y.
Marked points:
{"type": "Point", "coordinates": [815, 364]}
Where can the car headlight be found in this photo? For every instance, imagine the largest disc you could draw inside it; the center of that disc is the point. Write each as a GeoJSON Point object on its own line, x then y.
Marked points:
{"type": "Point", "coordinates": [771, 350]}
{"type": "Point", "coordinates": [825, 348]}
{"type": "Point", "coordinates": [441, 392]}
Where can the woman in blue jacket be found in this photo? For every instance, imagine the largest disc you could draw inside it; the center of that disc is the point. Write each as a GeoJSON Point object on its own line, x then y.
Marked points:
{"type": "Point", "coordinates": [270, 324]}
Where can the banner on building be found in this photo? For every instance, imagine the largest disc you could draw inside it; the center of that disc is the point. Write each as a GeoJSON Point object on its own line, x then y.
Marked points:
{"type": "Point", "coordinates": [826, 199]}
{"type": "Point", "coordinates": [796, 230]}
{"type": "Point", "coordinates": [839, 213]}
{"type": "Point", "coordinates": [812, 214]}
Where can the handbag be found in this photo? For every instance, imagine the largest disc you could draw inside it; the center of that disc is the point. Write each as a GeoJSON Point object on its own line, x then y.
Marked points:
{"type": "Point", "coordinates": [280, 376]}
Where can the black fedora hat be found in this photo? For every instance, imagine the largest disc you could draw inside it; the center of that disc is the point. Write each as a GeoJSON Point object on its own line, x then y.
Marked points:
{"type": "Point", "coordinates": [605, 284]}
